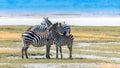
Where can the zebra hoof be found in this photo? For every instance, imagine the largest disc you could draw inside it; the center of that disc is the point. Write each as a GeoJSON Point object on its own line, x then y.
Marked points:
{"type": "Point", "coordinates": [22, 57]}
{"type": "Point", "coordinates": [56, 56]}
{"type": "Point", "coordinates": [26, 57]}
{"type": "Point", "coordinates": [48, 57]}
{"type": "Point", "coordinates": [70, 58]}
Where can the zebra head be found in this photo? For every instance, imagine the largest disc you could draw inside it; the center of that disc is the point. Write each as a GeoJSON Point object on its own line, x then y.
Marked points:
{"type": "Point", "coordinates": [58, 28]}
{"type": "Point", "coordinates": [47, 22]}
{"type": "Point", "coordinates": [67, 29]}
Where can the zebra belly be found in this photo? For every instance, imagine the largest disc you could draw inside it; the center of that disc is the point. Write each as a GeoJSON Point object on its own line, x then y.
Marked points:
{"type": "Point", "coordinates": [36, 45]}
{"type": "Point", "coordinates": [66, 41]}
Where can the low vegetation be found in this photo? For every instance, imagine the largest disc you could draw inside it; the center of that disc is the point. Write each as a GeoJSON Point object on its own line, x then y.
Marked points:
{"type": "Point", "coordinates": [11, 43]}
{"type": "Point", "coordinates": [81, 33]}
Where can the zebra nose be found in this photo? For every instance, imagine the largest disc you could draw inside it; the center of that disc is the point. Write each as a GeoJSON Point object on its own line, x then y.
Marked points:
{"type": "Point", "coordinates": [67, 34]}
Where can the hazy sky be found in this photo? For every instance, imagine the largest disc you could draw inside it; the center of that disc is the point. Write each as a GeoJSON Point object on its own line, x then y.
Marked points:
{"type": "Point", "coordinates": [59, 6]}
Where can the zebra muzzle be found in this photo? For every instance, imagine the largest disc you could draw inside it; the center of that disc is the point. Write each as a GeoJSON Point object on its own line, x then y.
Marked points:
{"type": "Point", "coordinates": [67, 34]}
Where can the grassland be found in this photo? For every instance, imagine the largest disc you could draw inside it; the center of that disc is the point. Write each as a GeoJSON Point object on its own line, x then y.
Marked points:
{"type": "Point", "coordinates": [96, 33]}
{"type": "Point", "coordinates": [81, 33]}
{"type": "Point", "coordinates": [10, 47]}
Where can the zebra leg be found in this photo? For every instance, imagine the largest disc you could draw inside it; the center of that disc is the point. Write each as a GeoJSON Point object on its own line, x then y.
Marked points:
{"type": "Point", "coordinates": [70, 50]}
{"type": "Point", "coordinates": [56, 51]}
{"type": "Point", "coordinates": [48, 51]}
{"type": "Point", "coordinates": [26, 48]}
{"type": "Point", "coordinates": [23, 49]}
{"type": "Point", "coordinates": [61, 51]}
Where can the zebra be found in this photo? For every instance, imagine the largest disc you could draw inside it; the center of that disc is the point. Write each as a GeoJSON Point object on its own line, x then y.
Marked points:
{"type": "Point", "coordinates": [37, 30]}
{"type": "Point", "coordinates": [30, 37]}
{"type": "Point", "coordinates": [60, 40]}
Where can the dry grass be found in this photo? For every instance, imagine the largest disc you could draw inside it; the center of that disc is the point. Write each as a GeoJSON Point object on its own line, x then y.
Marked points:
{"type": "Point", "coordinates": [9, 36]}
{"type": "Point", "coordinates": [93, 35]}
{"type": "Point", "coordinates": [78, 36]}
{"type": "Point", "coordinates": [8, 50]}
{"type": "Point", "coordinates": [84, 36]}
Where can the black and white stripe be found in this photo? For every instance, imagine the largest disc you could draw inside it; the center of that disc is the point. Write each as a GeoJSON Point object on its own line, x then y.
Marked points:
{"type": "Point", "coordinates": [67, 28]}
{"type": "Point", "coordinates": [37, 36]}
{"type": "Point", "coordinates": [35, 39]}
{"type": "Point", "coordinates": [60, 40]}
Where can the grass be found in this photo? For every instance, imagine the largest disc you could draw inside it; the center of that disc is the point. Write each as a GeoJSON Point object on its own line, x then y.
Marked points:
{"type": "Point", "coordinates": [8, 33]}
{"type": "Point", "coordinates": [96, 33]}
{"type": "Point", "coordinates": [81, 33]}
{"type": "Point", "coordinates": [44, 60]}
{"type": "Point", "coordinates": [18, 63]}
{"type": "Point", "coordinates": [104, 47]}
{"type": "Point", "coordinates": [11, 44]}
{"type": "Point", "coordinates": [99, 50]}
{"type": "Point", "coordinates": [14, 29]}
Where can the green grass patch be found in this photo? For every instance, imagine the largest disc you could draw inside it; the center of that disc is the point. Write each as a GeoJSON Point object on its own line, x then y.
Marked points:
{"type": "Point", "coordinates": [14, 29]}
{"type": "Point", "coordinates": [44, 60]}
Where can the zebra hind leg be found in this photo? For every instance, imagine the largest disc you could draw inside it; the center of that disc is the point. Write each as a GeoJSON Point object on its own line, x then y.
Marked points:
{"type": "Point", "coordinates": [24, 50]}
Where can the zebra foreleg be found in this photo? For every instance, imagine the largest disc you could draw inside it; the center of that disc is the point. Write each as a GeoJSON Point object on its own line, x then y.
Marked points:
{"type": "Point", "coordinates": [70, 50]}
{"type": "Point", "coordinates": [56, 51]}
{"type": "Point", "coordinates": [48, 51]}
{"type": "Point", "coordinates": [61, 51]}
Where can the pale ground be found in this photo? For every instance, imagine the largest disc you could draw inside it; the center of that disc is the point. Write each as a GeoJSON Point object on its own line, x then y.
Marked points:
{"type": "Point", "coordinates": [69, 19]}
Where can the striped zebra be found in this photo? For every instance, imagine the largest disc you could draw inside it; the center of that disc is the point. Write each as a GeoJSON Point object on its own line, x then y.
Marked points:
{"type": "Point", "coordinates": [30, 37]}
{"type": "Point", "coordinates": [60, 40]}
{"type": "Point", "coordinates": [37, 36]}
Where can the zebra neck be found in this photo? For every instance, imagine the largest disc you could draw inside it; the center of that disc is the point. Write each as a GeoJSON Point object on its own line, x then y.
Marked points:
{"type": "Point", "coordinates": [56, 35]}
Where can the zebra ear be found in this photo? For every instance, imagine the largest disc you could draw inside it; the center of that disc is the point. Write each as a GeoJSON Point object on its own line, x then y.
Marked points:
{"type": "Point", "coordinates": [60, 23]}
{"type": "Point", "coordinates": [52, 26]}
{"type": "Point", "coordinates": [47, 18]}
{"type": "Point", "coordinates": [44, 18]}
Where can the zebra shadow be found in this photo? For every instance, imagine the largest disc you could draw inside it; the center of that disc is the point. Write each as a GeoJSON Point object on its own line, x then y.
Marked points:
{"type": "Point", "coordinates": [53, 58]}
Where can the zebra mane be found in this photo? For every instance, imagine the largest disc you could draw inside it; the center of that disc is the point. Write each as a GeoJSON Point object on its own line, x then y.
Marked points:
{"type": "Point", "coordinates": [29, 28]}
{"type": "Point", "coordinates": [53, 26]}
